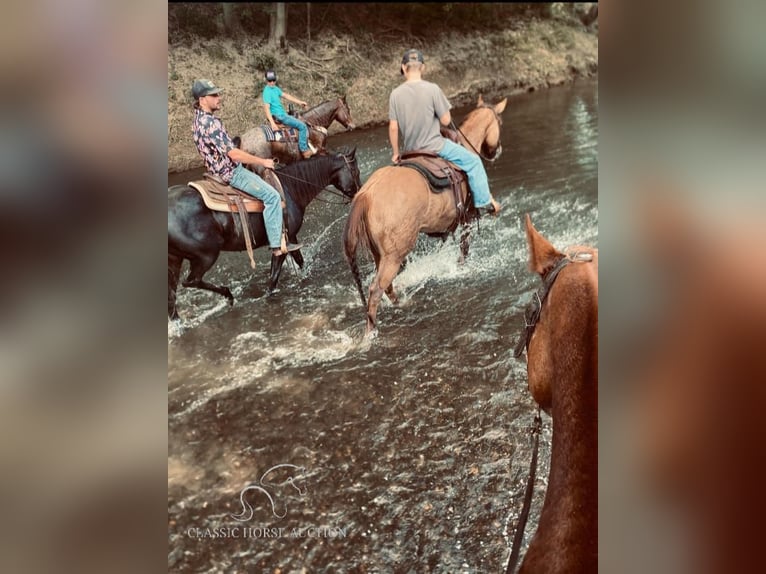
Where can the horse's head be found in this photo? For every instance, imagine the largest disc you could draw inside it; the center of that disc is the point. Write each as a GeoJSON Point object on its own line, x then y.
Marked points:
{"type": "Point", "coordinates": [346, 177]}
{"type": "Point", "coordinates": [482, 129]}
{"type": "Point", "coordinates": [567, 308]}
{"type": "Point", "coordinates": [343, 114]}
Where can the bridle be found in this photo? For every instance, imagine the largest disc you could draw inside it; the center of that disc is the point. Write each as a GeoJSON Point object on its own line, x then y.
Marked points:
{"type": "Point", "coordinates": [499, 124]}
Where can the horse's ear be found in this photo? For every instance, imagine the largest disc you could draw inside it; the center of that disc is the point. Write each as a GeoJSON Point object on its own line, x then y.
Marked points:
{"type": "Point", "coordinates": [480, 102]}
{"type": "Point", "coordinates": [343, 98]}
{"type": "Point", "coordinates": [500, 106]}
{"type": "Point", "coordinates": [542, 254]}
{"type": "Point", "coordinates": [352, 154]}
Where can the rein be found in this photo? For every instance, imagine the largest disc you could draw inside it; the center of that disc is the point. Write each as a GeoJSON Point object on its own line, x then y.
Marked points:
{"type": "Point", "coordinates": [521, 525]}
{"type": "Point", "coordinates": [458, 130]}
{"type": "Point", "coordinates": [346, 199]}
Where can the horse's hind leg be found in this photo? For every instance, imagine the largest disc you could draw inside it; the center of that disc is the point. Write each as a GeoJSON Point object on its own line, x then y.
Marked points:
{"type": "Point", "coordinates": [390, 293]}
{"type": "Point", "coordinates": [382, 283]}
{"type": "Point", "coordinates": [174, 274]}
{"type": "Point", "coordinates": [200, 266]}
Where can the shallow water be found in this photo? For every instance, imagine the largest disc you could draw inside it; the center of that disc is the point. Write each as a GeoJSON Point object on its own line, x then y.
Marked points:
{"type": "Point", "coordinates": [409, 452]}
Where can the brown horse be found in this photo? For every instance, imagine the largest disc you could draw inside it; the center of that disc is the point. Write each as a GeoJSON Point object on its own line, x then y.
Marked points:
{"type": "Point", "coordinates": [396, 204]}
{"type": "Point", "coordinates": [562, 367]}
{"type": "Point", "coordinates": [321, 116]}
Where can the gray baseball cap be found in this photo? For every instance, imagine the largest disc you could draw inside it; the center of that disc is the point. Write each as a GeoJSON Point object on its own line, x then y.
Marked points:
{"type": "Point", "coordinates": [412, 56]}
{"type": "Point", "coordinates": [202, 88]}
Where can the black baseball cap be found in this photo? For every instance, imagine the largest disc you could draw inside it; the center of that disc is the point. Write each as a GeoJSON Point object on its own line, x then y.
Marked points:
{"type": "Point", "coordinates": [271, 76]}
{"type": "Point", "coordinates": [202, 88]}
{"type": "Point", "coordinates": [412, 55]}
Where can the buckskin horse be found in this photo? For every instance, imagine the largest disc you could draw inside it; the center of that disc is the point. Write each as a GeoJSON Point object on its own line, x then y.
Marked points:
{"type": "Point", "coordinates": [320, 116]}
{"type": "Point", "coordinates": [199, 234]}
{"type": "Point", "coordinates": [396, 204]}
{"type": "Point", "coordinates": [561, 338]}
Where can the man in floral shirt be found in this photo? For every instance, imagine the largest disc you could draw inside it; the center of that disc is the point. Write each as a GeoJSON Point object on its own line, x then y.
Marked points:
{"type": "Point", "coordinates": [224, 159]}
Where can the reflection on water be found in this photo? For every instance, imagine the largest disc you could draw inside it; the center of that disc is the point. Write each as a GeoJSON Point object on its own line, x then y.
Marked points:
{"type": "Point", "coordinates": [414, 447]}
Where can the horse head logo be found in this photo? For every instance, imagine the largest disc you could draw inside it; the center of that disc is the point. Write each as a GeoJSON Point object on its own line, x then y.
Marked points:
{"type": "Point", "coordinates": [269, 489]}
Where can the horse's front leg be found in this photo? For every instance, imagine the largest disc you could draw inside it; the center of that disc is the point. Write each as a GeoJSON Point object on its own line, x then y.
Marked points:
{"type": "Point", "coordinates": [297, 256]}
{"type": "Point", "coordinates": [465, 243]}
{"type": "Point", "coordinates": [276, 268]}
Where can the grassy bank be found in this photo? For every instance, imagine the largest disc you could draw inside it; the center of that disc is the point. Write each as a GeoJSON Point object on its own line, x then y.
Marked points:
{"type": "Point", "coordinates": [529, 55]}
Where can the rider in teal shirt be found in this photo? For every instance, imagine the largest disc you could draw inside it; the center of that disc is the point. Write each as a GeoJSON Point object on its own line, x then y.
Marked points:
{"type": "Point", "coordinates": [272, 103]}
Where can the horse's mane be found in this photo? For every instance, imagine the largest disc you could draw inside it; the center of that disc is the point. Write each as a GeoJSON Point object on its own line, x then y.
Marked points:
{"type": "Point", "coordinates": [306, 178]}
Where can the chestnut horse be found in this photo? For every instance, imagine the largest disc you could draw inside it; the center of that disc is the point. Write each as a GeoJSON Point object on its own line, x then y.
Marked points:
{"type": "Point", "coordinates": [396, 204]}
{"type": "Point", "coordinates": [562, 367]}
{"type": "Point", "coordinates": [323, 115]}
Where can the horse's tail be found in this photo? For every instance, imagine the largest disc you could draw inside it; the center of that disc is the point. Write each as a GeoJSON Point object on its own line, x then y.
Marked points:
{"type": "Point", "coordinates": [355, 233]}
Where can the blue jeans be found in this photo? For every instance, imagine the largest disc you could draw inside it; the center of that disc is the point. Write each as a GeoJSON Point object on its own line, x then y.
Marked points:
{"type": "Point", "coordinates": [303, 130]}
{"type": "Point", "coordinates": [471, 164]}
{"type": "Point", "coordinates": [245, 180]}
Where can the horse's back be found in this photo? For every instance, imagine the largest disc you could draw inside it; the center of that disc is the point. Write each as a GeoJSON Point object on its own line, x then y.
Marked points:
{"type": "Point", "coordinates": [394, 193]}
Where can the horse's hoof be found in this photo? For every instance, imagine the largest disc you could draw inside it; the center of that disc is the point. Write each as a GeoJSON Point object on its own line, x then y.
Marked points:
{"type": "Point", "coordinates": [371, 334]}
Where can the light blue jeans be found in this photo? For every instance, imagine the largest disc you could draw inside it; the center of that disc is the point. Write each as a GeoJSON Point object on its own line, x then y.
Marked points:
{"type": "Point", "coordinates": [247, 181]}
{"type": "Point", "coordinates": [303, 130]}
{"type": "Point", "coordinates": [471, 164]}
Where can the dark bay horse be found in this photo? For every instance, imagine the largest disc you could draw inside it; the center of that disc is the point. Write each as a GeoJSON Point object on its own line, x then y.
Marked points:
{"type": "Point", "coordinates": [562, 367]}
{"type": "Point", "coordinates": [396, 204]}
{"type": "Point", "coordinates": [322, 115]}
{"type": "Point", "coordinates": [198, 234]}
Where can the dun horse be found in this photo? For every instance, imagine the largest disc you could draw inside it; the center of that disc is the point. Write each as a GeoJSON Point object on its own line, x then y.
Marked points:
{"type": "Point", "coordinates": [396, 204]}
{"type": "Point", "coordinates": [322, 116]}
{"type": "Point", "coordinates": [198, 234]}
{"type": "Point", "coordinates": [562, 367]}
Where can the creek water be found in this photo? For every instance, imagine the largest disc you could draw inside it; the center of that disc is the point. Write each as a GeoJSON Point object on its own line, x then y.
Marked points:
{"type": "Point", "coordinates": [294, 445]}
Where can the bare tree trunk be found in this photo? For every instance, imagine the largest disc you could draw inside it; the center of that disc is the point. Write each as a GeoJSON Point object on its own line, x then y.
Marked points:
{"type": "Point", "coordinates": [308, 29]}
{"type": "Point", "coordinates": [278, 32]}
{"type": "Point", "coordinates": [229, 20]}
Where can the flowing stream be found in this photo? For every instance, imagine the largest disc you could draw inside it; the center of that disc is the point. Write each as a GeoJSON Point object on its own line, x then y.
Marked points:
{"type": "Point", "coordinates": [294, 445]}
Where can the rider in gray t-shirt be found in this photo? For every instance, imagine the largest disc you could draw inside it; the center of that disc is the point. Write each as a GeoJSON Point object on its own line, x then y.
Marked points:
{"type": "Point", "coordinates": [416, 109]}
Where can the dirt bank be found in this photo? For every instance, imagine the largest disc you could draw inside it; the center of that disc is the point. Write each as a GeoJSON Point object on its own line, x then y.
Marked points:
{"type": "Point", "coordinates": [529, 56]}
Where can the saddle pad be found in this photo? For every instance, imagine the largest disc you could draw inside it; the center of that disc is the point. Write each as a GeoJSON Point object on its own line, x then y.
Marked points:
{"type": "Point", "coordinates": [287, 133]}
{"type": "Point", "coordinates": [219, 197]}
{"type": "Point", "coordinates": [284, 134]}
{"type": "Point", "coordinates": [433, 168]}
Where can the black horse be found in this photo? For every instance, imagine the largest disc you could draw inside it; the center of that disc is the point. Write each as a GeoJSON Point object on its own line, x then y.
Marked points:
{"type": "Point", "coordinates": [198, 234]}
